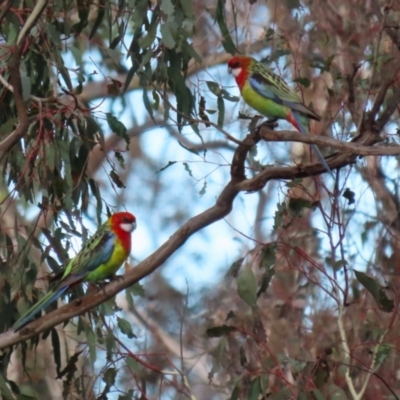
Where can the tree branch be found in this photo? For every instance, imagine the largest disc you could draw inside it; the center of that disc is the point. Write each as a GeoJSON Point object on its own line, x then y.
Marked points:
{"type": "Point", "coordinates": [324, 141]}
{"type": "Point", "coordinates": [305, 170]}
{"type": "Point", "coordinates": [391, 107]}
{"type": "Point", "coordinates": [15, 80]}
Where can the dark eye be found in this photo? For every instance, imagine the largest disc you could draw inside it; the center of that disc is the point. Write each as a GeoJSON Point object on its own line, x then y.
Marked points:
{"type": "Point", "coordinates": [127, 219]}
{"type": "Point", "coordinates": [236, 64]}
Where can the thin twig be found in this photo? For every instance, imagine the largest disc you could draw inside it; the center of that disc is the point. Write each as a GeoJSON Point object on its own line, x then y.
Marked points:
{"type": "Point", "coordinates": [33, 17]}
{"type": "Point", "coordinates": [346, 349]}
{"type": "Point", "coordinates": [372, 367]}
{"type": "Point", "coordinates": [349, 147]}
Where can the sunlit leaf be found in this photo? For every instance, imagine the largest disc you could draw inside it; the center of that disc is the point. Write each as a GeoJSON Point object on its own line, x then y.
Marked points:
{"type": "Point", "coordinates": [227, 41]}
{"type": "Point", "coordinates": [247, 287]}
{"type": "Point", "coordinates": [221, 111]}
{"type": "Point", "coordinates": [377, 291]}
{"type": "Point", "coordinates": [91, 341]}
{"type": "Point", "coordinates": [318, 394]}
{"type": "Point", "coordinates": [167, 36]}
{"type": "Point", "coordinates": [109, 378]}
{"type": "Point", "coordinates": [118, 127]}
{"type": "Point", "coordinates": [382, 354]}
{"type": "Point", "coordinates": [214, 87]}
{"type": "Point", "coordinates": [167, 7]}
{"type": "Point", "coordinates": [125, 327]}
{"type": "Point", "coordinates": [5, 389]}
{"type": "Point", "coordinates": [133, 364]}
{"type": "Point", "coordinates": [235, 393]}
{"type": "Point", "coordinates": [110, 343]}
{"type": "Point", "coordinates": [255, 389]}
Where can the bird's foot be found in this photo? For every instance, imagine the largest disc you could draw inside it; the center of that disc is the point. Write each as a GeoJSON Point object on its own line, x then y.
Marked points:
{"type": "Point", "coordinates": [101, 284]}
{"type": "Point", "coordinates": [115, 278]}
{"type": "Point", "coordinates": [269, 123]}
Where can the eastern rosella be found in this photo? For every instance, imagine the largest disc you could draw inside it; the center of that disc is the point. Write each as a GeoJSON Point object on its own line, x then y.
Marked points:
{"type": "Point", "coordinates": [99, 259]}
{"type": "Point", "coordinates": [270, 95]}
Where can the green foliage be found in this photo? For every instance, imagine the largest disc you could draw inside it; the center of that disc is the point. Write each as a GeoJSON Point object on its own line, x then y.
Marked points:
{"type": "Point", "coordinates": [234, 269]}
{"type": "Point", "coordinates": [118, 127]}
{"type": "Point", "coordinates": [382, 354]}
{"type": "Point", "coordinates": [109, 380]}
{"type": "Point", "coordinates": [125, 327]}
{"type": "Point", "coordinates": [57, 351]}
{"type": "Point", "coordinates": [227, 41]}
{"type": "Point", "coordinates": [247, 287]}
{"type": "Point", "coordinates": [221, 95]}
{"type": "Point", "coordinates": [69, 372]}
{"type": "Point", "coordinates": [377, 291]}
{"type": "Point", "coordinates": [267, 261]}
{"type": "Point", "coordinates": [255, 389]}
{"type": "Point", "coordinates": [303, 81]}
{"type": "Point", "coordinates": [218, 331]}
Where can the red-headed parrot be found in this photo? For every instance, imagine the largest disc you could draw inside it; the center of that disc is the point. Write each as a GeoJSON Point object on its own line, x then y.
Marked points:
{"type": "Point", "coordinates": [99, 259]}
{"type": "Point", "coordinates": [271, 96]}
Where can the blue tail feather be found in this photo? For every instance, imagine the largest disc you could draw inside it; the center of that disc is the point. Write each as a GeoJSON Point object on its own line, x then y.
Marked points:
{"type": "Point", "coordinates": [302, 121]}
{"type": "Point", "coordinates": [42, 304]}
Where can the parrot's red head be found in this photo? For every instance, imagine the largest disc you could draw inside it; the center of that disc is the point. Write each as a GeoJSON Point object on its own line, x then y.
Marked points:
{"type": "Point", "coordinates": [123, 221]}
{"type": "Point", "coordinates": [123, 224]}
{"type": "Point", "coordinates": [239, 67]}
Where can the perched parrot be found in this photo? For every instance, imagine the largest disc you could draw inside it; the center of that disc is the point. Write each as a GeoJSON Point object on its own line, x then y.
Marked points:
{"type": "Point", "coordinates": [99, 259]}
{"type": "Point", "coordinates": [270, 95]}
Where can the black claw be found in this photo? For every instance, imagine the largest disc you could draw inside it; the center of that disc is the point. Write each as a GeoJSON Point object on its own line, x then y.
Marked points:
{"type": "Point", "coordinates": [270, 123]}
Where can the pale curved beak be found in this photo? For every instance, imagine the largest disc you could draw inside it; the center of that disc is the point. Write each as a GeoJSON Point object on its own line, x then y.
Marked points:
{"type": "Point", "coordinates": [229, 70]}
{"type": "Point", "coordinates": [128, 227]}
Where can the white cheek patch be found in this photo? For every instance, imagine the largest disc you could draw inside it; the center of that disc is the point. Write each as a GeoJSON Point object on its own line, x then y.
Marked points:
{"type": "Point", "coordinates": [128, 227]}
{"type": "Point", "coordinates": [236, 72]}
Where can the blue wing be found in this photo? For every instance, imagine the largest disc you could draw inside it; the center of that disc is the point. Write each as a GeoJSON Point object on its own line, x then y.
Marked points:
{"type": "Point", "coordinates": [273, 87]}
{"type": "Point", "coordinates": [97, 251]}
